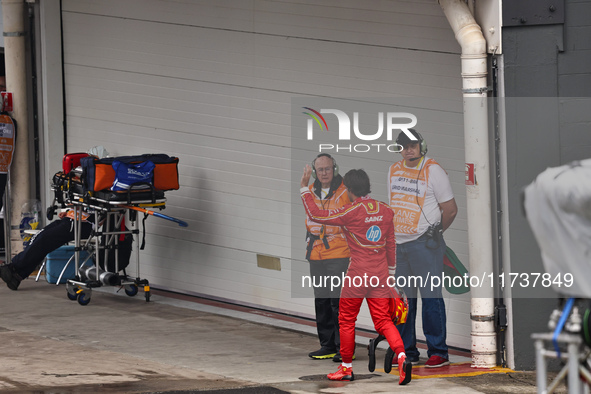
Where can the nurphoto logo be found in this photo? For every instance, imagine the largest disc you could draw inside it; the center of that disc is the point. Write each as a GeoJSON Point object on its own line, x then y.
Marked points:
{"type": "Point", "coordinates": [394, 123]}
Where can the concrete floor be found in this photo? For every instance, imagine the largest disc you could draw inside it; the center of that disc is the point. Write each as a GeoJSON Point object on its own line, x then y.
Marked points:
{"type": "Point", "coordinates": [121, 344]}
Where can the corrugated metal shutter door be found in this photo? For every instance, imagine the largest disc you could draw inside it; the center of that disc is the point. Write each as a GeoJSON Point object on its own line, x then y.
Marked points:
{"type": "Point", "coordinates": [211, 82]}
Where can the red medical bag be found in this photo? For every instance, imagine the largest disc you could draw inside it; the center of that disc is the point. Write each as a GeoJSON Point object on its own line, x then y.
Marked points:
{"type": "Point", "coordinates": [71, 161]}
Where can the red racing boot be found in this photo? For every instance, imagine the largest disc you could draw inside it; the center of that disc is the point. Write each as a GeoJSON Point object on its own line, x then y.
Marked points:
{"type": "Point", "coordinates": [343, 373]}
{"type": "Point", "coordinates": [404, 370]}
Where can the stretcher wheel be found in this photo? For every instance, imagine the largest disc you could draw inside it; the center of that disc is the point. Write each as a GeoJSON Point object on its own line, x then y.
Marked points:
{"type": "Point", "coordinates": [83, 298]}
{"type": "Point", "coordinates": [71, 291]}
{"type": "Point", "coordinates": [131, 290]}
{"type": "Point", "coordinates": [388, 360]}
{"type": "Point", "coordinates": [147, 295]}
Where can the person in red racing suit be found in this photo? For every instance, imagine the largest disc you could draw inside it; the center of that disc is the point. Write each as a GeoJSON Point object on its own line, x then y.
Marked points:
{"type": "Point", "coordinates": [369, 228]}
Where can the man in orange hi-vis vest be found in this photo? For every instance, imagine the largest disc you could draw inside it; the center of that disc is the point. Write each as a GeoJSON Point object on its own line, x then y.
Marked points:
{"type": "Point", "coordinates": [421, 196]}
{"type": "Point", "coordinates": [328, 254]}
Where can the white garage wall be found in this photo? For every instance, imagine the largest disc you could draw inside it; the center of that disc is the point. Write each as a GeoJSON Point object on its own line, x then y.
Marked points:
{"type": "Point", "coordinates": [212, 81]}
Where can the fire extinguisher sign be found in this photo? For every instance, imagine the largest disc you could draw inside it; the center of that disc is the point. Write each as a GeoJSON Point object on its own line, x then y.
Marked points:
{"type": "Point", "coordinates": [6, 142]}
{"type": "Point", "coordinates": [470, 177]}
{"type": "Point", "coordinates": [7, 102]}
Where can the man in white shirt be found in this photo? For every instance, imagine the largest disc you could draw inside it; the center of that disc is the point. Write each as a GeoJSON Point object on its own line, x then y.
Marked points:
{"type": "Point", "coordinates": [421, 196]}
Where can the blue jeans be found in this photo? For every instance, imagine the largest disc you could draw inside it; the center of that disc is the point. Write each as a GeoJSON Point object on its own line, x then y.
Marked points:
{"type": "Point", "coordinates": [422, 258]}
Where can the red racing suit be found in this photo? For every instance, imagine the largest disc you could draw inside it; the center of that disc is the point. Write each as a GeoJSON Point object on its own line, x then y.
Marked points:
{"type": "Point", "coordinates": [369, 227]}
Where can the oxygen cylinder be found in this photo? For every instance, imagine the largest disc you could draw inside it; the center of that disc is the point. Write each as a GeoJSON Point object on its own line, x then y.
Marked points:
{"type": "Point", "coordinates": [106, 278]}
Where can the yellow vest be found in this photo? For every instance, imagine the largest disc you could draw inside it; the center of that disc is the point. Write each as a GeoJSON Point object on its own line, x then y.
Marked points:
{"type": "Point", "coordinates": [408, 187]}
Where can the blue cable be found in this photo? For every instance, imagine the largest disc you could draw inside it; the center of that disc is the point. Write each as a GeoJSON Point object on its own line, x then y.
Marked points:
{"type": "Point", "coordinates": [565, 312]}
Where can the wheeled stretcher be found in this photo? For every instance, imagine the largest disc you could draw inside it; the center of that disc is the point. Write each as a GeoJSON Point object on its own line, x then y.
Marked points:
{"type": "Point", "coordinates": [108, 229]}
{"type": "Point", "coordinates": [115, 217]}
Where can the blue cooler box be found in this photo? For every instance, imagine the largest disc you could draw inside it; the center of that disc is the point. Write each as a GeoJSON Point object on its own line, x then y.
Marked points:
{"type": "Point", "coordinates": [56, 260]}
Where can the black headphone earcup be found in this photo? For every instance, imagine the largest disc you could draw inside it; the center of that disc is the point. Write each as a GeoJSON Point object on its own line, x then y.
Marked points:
{"type": "Point", "coordinates": [313, 172]}
{"type": "Point", "coordinates": [335, 169]}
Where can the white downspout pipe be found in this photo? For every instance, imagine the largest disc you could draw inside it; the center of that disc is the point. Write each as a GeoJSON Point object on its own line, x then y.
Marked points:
{"type": "Point", "coordinates": [474, 88]}
{"type": "Point", "coordinates": [13, 19]}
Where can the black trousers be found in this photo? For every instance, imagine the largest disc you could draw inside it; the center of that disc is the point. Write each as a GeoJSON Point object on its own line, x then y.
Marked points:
{"type": "Point", "coordinates": [54, 235]}
{"type": "Point", "coordinates": [326, 299]}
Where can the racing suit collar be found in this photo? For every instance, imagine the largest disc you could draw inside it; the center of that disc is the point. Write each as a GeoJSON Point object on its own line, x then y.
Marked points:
{"type": "Point", "coordinates": [360, 199]}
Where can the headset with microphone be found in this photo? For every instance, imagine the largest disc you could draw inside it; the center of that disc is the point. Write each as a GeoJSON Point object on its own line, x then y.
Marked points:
{"type": "Point", "coordinates": [404, 140]}
{"type": "Point", "coordinates": [335, 166]}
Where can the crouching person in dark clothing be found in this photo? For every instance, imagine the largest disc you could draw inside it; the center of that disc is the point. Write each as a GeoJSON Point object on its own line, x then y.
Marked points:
{"type": "Point", "coordinates": [50, 238]}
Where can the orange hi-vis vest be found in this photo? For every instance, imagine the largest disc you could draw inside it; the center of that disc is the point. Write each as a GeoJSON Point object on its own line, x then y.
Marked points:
{"type": "Point", "coordinates": [337, 242]}
{"type": "Point", "coordinates": [408, 188]}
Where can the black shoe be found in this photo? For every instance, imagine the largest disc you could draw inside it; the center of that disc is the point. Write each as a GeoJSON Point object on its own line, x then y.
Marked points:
{"type": "Point", "coordinates": [8, 275]}
{"type": "Point", "coordinates": [323, 353]}
{"type": "Point", "coordinates": [337, 357]}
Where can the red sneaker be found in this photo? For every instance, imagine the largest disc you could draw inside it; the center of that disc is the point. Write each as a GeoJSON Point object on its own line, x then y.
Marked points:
{"type": "Point", "coordinates": [436, 362]}
{"type": "Point", "coordinates": [343, 373]}
{"type": "Point", "coordinates": [404, 370]}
